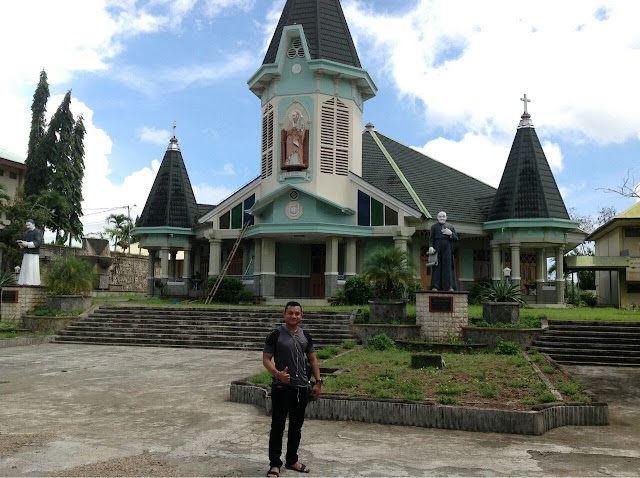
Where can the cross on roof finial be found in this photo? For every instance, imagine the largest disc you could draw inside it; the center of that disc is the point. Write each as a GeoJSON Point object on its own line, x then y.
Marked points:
{"type": "Point", "coordinates": [526, 100]}
{"type": "Point", "coordinates": [174, 124]}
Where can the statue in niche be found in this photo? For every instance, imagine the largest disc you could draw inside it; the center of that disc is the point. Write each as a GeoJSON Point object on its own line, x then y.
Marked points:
{"type": "Point", "coordinates": [295, 143]}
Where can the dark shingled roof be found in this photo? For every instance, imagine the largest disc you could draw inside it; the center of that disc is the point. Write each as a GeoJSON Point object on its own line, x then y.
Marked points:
{"type": "Point", "coordinates": [438, 186]}
{"type": "Point", "coordinates": [171, 202]}
{"type": "Point", "coordinates": [527, 189]}
{"type": "Point", "coordinates": [325, 28]}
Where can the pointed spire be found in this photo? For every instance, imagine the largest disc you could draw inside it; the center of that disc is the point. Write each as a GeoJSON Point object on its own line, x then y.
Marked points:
{"type": "Point", "coordinates": [527, 189]}
{"type": "Point", "coordinates": [525, 119]}
{"type": "Point", "coordinates": [171, 202]}
{"type": "Point", "coordinates": [173, 142]}
{"type": "Point", "coordinates": [325, 29]}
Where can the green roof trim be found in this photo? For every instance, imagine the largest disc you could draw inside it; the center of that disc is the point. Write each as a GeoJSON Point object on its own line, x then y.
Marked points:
{"type": "Point", "coordinates": [540, 223]}
{"type": "Point", "coordinates": [262, 203]}
{"type": "Point", "coordinates": [309, 228]}
{"type": "Point", "coordinates": [140, 231]}
{"type": "Point", "coordinates": [603, 263]}
{"type": "Point", "coordinates": [401, 176]}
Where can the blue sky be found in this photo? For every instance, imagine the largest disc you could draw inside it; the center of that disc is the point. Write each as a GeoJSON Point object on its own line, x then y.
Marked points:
{"type": "Point", "coordinates": [450, 75]}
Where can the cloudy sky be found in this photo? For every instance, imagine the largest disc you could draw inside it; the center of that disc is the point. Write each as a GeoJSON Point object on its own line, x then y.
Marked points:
{"type": "Point", "coordinates": [450, 75]}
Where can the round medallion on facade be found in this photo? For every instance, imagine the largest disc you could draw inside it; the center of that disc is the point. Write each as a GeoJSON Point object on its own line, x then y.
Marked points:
{"type": "Point", "coordinates": [295, 69]}
{"type": "Point", "coordinates": [294, 210]}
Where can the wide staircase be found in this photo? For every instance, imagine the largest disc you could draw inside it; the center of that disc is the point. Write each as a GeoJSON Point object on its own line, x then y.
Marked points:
{"type": "Point", "coordinates": [576, 342]}
{"type": "Point", "coordinates": [197, 327]}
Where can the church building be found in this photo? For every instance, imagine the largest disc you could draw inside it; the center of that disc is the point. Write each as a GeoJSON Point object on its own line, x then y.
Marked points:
{"type": "Point", "coordinates": [330, 189]}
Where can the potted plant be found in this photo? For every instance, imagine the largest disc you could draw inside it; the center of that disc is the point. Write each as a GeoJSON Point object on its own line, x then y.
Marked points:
{"type": "Point", "coordinates": [391, 274]}
{"type": "Point", "coordinates": [501, 302]}
{"type": "Point", "coordinates": [69, 282]}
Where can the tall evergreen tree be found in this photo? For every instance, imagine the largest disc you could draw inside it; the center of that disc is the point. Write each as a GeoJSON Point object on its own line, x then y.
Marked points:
{"type": "Point", "coordinates": [59, 145]}
{"type": "Point", "coordinates": [37, 174]}
{"type": "Point", "coordinates": [77, 170]}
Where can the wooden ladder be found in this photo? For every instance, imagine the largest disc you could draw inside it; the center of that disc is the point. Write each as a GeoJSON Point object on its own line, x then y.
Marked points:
{"type": "Point", "coordinates": [216, 285]}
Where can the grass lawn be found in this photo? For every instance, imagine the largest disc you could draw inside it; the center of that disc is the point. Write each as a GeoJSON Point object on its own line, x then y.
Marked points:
{"type": "Point", "coordinates": [486, 380]}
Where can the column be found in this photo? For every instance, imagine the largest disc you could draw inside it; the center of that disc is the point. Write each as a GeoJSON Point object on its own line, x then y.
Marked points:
{"type": "Point", "coordinates": [164, 263]}
{"type": "Point", "coordinates": [496, 263]}
{"type": "Point", "coordinates": [401, 242]}
{"type": "Point", "coordinates": [331, 267]}
{"type": "Point", "coordinates": [257, 267]}
{"type": "Point", "coordinates": [151, 270]}
{"type": "Point", "coordinates": [515, 265]}
{"type": "Point", "coordinates": [541, 271]}
{"type": "Point", "coordinates": [215, 246]}
{"type": "Point", "coordinates": [350, 269]}
{"type": "Point", "coordinates": [268, 268]}
{"type": "Point", "coordinates": [560, 275]}
{"type": "Point", "coordinates": [173, 259]}
{"type": "Point", "coordinates": [186, 268]}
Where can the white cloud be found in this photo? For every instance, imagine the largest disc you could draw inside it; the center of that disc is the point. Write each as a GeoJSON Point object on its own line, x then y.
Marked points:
{"type": "Point", "coordinates": [476, 155]}
{"type": "Point", "coordinates": [208, 194]}
{"type": "Point", "coordinates": [150, 135]}
{"type": "Point", "coordinates": [578, 63]}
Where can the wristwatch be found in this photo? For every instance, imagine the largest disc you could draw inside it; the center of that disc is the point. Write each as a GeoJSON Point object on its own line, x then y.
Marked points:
{"type": "Point", "coordinates": [320, 381]}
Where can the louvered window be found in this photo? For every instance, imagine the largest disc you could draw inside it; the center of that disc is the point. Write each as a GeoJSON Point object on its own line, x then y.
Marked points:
{"type": "Point", "coordinates": [266, 165]}
{"type": "Point", "coordinates": [334, 138]}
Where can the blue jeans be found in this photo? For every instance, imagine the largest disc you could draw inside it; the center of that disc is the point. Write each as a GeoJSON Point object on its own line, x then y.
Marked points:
{"type": "Point", "coordinates": [285, 401]}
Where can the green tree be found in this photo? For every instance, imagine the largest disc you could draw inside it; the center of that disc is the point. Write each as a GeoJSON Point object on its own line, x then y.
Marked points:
{"type": "Point", "coordinates": [37, 175]}
{"type": "Point", "coordinates": [390, 272]}
{"type": "Point", "coordinates": [63, 144]}
{"type": "Point", "coordinates": [119, 230]}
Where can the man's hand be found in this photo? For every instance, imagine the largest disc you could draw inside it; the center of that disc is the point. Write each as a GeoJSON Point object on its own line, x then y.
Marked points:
{"type": "Point", "coordinates": [446, 231]}
{"type": "Point", "coordinates": [284, 375]}
{"type": "Point", "coordinates": [431, 251]}
{"type": "Point", "coordinates": [315, 391]}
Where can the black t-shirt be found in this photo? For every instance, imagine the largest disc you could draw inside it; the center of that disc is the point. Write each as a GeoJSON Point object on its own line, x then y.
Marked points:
{"type": "Point", "coordinates": [289, 350]}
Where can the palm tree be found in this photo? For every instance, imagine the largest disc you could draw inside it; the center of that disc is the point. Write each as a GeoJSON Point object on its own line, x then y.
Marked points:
{"type": "Point", "coordinates": [119, 233]}
{"type": "Point", "coordinates": [390, 271]}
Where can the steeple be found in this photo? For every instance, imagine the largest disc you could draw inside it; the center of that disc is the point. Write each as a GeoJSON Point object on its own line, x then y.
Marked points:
{"type": "Point", "coordinates": [527, 189]}
{"type": "Point", "coordinates": [171, 202]}
{"type": "Point", "coordinates": [325, 28]}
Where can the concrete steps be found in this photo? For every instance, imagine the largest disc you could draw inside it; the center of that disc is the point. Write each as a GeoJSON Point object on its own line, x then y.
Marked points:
{"type": "Point", "coordinates": [197, 327]}
{"type": "Point", "coordinates": [575, 342]}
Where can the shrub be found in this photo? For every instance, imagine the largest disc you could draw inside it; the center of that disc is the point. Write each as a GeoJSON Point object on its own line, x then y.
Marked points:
{"type": "Point", "coordinates": [231, 291]}
{"type": "Point", "coordinates": [7, 279]}
{"type": "Point", "coordinates": [381, 342]}
{"type": "Point", "coordinates": [390, 272]}
{"type": "Point", "coordinates": [70, 275]}
{"type": "Point", "coordinates": [356, 291]}
{"type": "Point", "coordinates": [348, 344]}
{"type": "Point", "coordinates": [327, 352]}
{"type": "Point", "coordinates": [506, 347]}
{"type": "Point", "coordinates": [588, 298]}
{"type": "Point", "coordinates": [501, 292]}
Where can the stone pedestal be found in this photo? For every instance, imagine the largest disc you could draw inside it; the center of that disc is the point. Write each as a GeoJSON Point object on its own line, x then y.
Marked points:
{"type": "Point", "coordinates": [17, 300]}
{"type": "Point", "coordinates": [441, 315]}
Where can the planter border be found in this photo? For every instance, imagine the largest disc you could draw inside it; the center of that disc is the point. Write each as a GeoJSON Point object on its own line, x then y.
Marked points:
{"type": "Point", "coordinates": [432, 415]}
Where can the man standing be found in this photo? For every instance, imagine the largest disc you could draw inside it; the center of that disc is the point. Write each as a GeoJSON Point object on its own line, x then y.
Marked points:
{"type": "Point", "coordinates": [30, 270]}
{"type": "Point", "coordinates": [441, 238]}
{"type": "Point", "coordinates": [284, 357]}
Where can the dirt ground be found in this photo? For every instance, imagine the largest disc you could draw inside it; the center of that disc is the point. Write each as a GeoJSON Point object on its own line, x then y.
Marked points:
{"type": "Point", "coordinates": [79, 410]}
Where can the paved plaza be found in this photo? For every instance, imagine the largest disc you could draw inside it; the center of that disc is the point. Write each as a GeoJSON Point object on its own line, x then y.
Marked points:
{"type": "Point", "coordinates": [81, 410]}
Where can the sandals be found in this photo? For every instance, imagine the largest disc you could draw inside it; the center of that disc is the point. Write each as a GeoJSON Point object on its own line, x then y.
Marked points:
{"type": "Point", "coordinates": [273, 474]}
{"type": "Point", "coordinates": [303, 468]}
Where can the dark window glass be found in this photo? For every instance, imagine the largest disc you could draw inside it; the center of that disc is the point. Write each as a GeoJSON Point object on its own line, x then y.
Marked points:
{"type": "Point", "coordinates": [364, 209]}
{"type": "Point", "coordinates": [390, 217]}
{"type": "Point", "coordinates": [377, 213]}
{"type": "Point", "coordinates": [225, 220]}
{"type": "Point", "coordinates": [248, 204]}
{"type": "Point", "coordinates": [236, 217]}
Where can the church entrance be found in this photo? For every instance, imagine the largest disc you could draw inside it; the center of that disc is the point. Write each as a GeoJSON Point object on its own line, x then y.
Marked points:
{"type": "Point", "coordinates": [317, 270]}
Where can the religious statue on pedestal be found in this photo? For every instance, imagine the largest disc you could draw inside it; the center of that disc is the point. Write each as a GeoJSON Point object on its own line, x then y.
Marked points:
{"type": "Point", "coordinates": [441, 238]}
{"type": "Point", "coordinates": [30, 270]}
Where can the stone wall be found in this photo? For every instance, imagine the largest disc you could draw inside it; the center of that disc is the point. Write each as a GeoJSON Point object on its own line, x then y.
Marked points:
{"type": "Point", "coordinates": [128, 273]}
{"type": "Point", "coordinates": [27, 298]}
{"type": "Point", "coordinates": [438, 321]}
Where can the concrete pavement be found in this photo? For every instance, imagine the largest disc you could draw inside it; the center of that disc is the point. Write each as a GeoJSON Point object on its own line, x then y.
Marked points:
{"type": "Point", "coordinates": [81, 410]}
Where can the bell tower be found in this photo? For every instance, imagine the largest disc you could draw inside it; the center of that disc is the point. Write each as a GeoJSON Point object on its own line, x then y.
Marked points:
{"type": "Point", "coordinates": [312, 89]}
